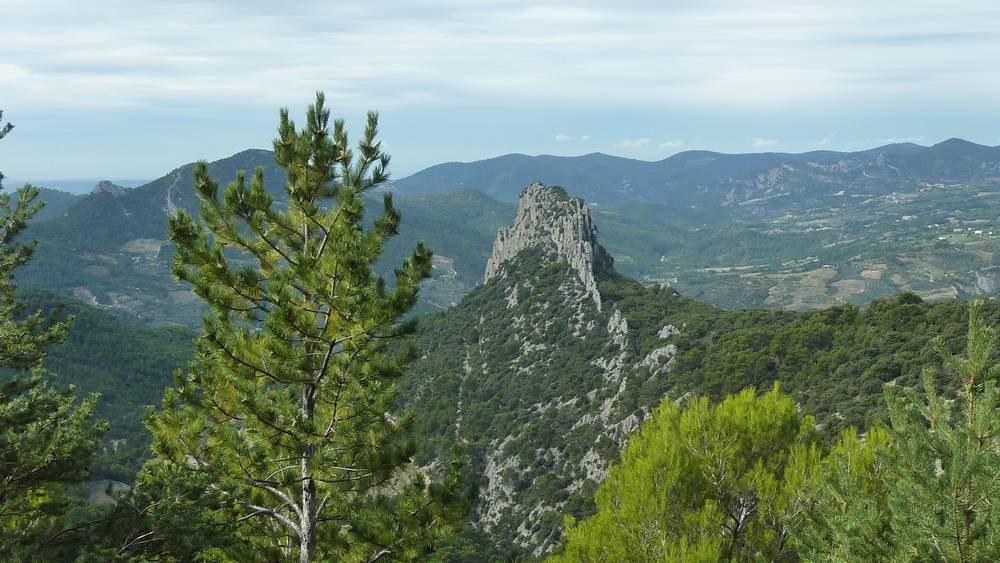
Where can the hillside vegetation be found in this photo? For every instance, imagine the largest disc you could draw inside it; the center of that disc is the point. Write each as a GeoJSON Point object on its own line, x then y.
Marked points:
{"type": "Point", "coordinates": [541, 377]}
{"type": "Point", "coordinates": [127, 363]}
{"type": "Point", "coordinates": [833, 362]}
{"type": "Point", "coordinates": [733, 378]}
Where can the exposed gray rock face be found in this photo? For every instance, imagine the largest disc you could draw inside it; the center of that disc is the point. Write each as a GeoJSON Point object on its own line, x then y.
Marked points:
{"type": "Point", "coordinates": [668, 331]}
{"type": "Point", "coordinates": [618, 328]}
{"type": "Point", "coordinates": [566, 373]}
{"type": "Point", "coordinates": [106, 187]}
{"type": "Point", "coordinates": [562, 227]}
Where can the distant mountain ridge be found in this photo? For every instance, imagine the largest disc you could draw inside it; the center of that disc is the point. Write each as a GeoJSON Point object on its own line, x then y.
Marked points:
{"type": "Point", "coordinates": [696, 220]}
{"type": "Point", "coordinates": [75, 187]}
{"type": "Point", "coordinates": [708, 178]}
{"type": "Point", "coordinates": [701, 178]}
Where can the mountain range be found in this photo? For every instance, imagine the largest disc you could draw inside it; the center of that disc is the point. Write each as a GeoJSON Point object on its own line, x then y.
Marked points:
{"type": "Point", "coordinates": [708, 179]}
{"type": "Point", "coordinates": [775, 230]}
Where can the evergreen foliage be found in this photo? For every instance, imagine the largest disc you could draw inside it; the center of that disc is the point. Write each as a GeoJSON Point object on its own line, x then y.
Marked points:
{"type": "Point", "coordinates": [284, 439]}
{"type": "Point", "coordinates": [47, 436]}
{"type": "Point", "coordinates": [704, 483]}
{"type": "Point", "coordinates": [929, 492]}
{"type": "Point", "coordinates": [127, 362]}
{"type": "Point", "coordinates": [921, 489]}
{"type": "Point", "coordinates": [848, 516]}
{"type": "Point", "coordinates": [280, 425]}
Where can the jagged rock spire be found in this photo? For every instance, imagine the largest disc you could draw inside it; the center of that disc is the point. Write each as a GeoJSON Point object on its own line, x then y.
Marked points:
{"type": "Point", "coordinates": [562, 226]}
{"type": "Point", "coordinates": [107, 187]}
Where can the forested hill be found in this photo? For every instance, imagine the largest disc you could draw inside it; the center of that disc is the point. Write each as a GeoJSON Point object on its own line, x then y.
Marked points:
{"type": "Point", "coordinates": [128, 362]}
{"type": "Point", "coordinates": [109, 248]}
{"type": "Point", "coordinates": [543, 383]}
{"type": "Point", "coordinates": [57, 203]}
{"type": "Point", "coordinates": [700, 178]}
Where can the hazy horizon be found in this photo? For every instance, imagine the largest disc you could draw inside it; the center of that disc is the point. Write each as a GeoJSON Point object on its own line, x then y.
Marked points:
{"type": "Point", "coordinates": [115, 89]}
{"type": "Point", "coordinates": [85, 185]}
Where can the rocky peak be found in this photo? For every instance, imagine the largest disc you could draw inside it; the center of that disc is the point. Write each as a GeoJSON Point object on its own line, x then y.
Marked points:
{"type": "Point", "coordinates": [106, 187]}
{"type": "Point", "coordinates": [561, 226]}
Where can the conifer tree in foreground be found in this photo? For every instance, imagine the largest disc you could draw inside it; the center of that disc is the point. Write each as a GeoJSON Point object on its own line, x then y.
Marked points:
{"type": "Point", "coordinates": [46, 437]}
{"type": "Point", "coordinates": [946, 476]}
{"type": "Point", "coordinates": [286, 409]}
{"type": "Point", "coordinates": [927, 488]}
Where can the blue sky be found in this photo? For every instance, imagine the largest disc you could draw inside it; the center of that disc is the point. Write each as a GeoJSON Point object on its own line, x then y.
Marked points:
{"type": "Point", "coordinates": [107, 89]}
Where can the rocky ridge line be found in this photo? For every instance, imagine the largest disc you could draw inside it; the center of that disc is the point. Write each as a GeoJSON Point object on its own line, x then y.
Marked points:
{"type": "Point", "coordinates": [562, 227]}
{"type": "Point", "coordinates": [107, 187]}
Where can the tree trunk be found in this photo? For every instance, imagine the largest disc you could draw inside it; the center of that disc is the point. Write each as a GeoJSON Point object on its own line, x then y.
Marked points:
{"type": "Point", "coordinates": [307, 529]}
{"type": "Point", "coordinates": [307, 521]}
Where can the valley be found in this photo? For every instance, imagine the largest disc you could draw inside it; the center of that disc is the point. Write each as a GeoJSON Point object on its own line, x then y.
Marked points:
{"type": "Point", "coordinates": [588, 352]}
{"type": "Point", "coordinates": [938, 242]}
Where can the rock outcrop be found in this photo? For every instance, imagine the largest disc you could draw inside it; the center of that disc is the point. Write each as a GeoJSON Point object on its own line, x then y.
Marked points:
{"type": "Point", "coordinates": [107, 187]}
{"type": "Point", "coordinates": [535, 378]}
{"type": "Point", "coordinates": [562, 227]}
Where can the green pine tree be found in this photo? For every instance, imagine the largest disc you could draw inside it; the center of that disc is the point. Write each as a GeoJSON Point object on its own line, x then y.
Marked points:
{"type": "Point", "coordinates": [928, 490]}
{"type": "Point", "coordinates": [946, 475]}
{"type": "Point", "coordinates": [848, 517]}
{"type": "Point", "coordinates": [47, 437]}
{"type": "Point", "coordinates": [704, 483]}
{"type": "Point", "coordinates": [287, 409]}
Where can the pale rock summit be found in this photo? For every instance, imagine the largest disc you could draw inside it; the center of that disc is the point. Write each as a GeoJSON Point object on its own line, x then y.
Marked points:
{"type": "Point", "coordinates": [107, 187]}
{"type": "Point", "coordinates": [562, 227]}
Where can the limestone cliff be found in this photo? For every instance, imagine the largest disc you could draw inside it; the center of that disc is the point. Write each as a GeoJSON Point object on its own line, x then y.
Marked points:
{"type": "Point", "coordinates": [562, 227]}
{"type": "Point", "coordinates": [539, 381]}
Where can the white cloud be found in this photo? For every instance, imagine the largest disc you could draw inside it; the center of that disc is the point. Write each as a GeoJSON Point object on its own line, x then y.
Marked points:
{"type": "Point", "coordinates": [635, 143]}
{"type": "Point", "coordinates": [671, 144]}
{"type": "Point", "coordinates": [894, 140]}
{"type": "Point", "coordinates": [119, 53]}
{"type": "Point", "coordinates": [210, 69]}
{"type": "Point", "coordinates": [760, 142]}
{"type": "Point", "coordinates": [826, 141]}
{"type": "Point", "coordinates": [563, 137]}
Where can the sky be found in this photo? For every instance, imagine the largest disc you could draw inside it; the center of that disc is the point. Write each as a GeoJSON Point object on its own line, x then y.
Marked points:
{"type": "Point", "coordinates": [133, 89]}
